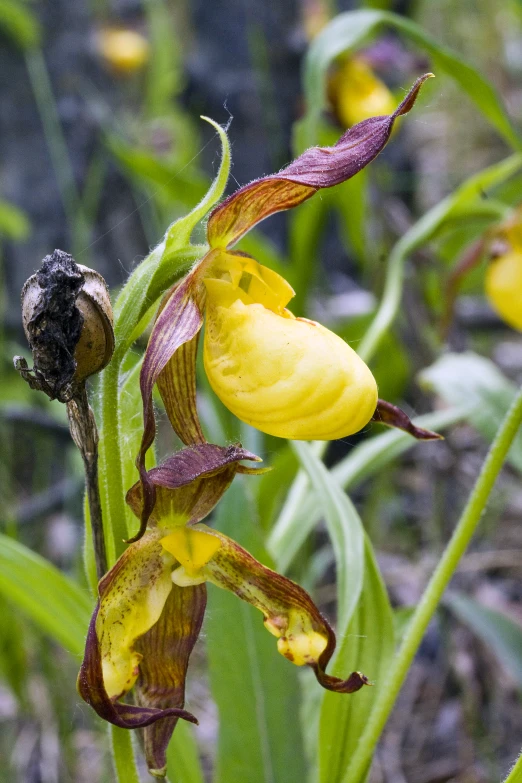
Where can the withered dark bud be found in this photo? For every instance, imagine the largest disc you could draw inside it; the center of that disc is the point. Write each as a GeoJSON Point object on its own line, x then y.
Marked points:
{"type": "Point", "coordinates": [67, 318]}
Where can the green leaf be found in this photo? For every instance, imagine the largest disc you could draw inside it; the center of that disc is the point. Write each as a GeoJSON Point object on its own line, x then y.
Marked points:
{"type": "Point", "coordinates": [271, 488]}
{"type": "Point", "coordinates": [350, 199]}
{"type": "Point", "coordinates": [123, 755]}
{"type": "Point", "coordinates": [466, 201]}
{"type": "Point", "coordinates": [401, 618]}
{"type": "Point", "coordinates": [182, 184]}
{"type": "Point", "coordinates": [344, 528]}
{"type": "Point", "coordinates": [367, 645]}
{"type": "Point", "coordinates": [353, 29]}
{"type": "Point", "coordinates": [182, 756]}
{"type": "Point", "coordinates": [13, 655]}
{"type": "Point", "coordinates": [50, 599]}
{"type": "Point", "coordinates": [164, 71]}
{"type": "Point", "coordinates": [255, 688]}
{"type": "Point", "coordinates": [515, 775]}
{"type": "Point", "coordinates": [13, 222]}
{"type": "Point", "coordinates": [502, 635]}
{"type": "Point", "coordinates": [306, 227]}
{"type": "Point", "coordinates": [296, 523]}
{"type": "Point", "coordinates": [390, 364]}
{"type": "Point", "coordinates": [469, 380]}
{"type": "Point", "coordinates": [19, 23]}
{"type": "Point", "coordinates": [134, 300]}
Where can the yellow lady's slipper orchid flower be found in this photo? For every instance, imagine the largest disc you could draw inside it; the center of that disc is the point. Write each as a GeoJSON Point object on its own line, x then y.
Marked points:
{"type": "Point", "coordinates": [286, 376]}
{"type": "Point", "coordinates": [356, 93]}
{"type": "Point", "coordinates": [151, 603]}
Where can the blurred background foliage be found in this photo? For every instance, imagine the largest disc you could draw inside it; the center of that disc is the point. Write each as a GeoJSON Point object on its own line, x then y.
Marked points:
{"type": "Point", "coordinates": [102, 148]}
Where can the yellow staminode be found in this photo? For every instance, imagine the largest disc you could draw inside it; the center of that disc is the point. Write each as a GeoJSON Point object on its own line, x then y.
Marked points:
{"type": "Point", "coordinates": [357, 93]}
{"type": "Point", "coordinates": [191, 548]}
{"type": "Point", "coordinates": [286, 376]}
{"type": "Point", "coordinates": [504, 286]}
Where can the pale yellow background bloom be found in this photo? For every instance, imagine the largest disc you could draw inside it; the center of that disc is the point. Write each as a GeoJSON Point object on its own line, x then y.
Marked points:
{"type": "Point", "coordinates": [504, 287]}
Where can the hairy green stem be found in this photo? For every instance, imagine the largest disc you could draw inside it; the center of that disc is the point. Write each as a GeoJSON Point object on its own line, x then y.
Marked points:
{"type": "Point", "coordinates": [123, 756]}
{"type": "Point", "coordinates": [84, 432]}
{"type": "Point", "coordinates": [515, 774]}
{"type": "Point", "coordinates": [115, 509]}
{"type": "Point", "coordinates": [428, 604]}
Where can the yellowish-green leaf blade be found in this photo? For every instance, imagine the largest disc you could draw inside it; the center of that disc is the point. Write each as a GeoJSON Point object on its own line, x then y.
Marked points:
{"type": "Point", "coordinates": [349, 31]}
{"type": "Point", "coordinates": [366, 645]}
{"type": "Point", "coordinates": [59, 606]}
{"type": "Point", "coordinates": [255, 688]}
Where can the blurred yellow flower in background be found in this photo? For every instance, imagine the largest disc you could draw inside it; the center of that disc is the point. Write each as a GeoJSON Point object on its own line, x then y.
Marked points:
{"type": "Point", "coordinates": [504, 286]}
{"type": "Point", "coordinates": [356, 93]}
{"type": "Point", "coordinates": [124, 50]}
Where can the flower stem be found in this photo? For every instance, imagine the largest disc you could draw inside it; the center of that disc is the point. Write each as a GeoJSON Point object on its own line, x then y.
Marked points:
{"type": "Point", "coordinates": [419, 622]}
{"type": "Point", "coordinates": [82, 425]}
{"type": "Point", "coordinates": [45, 100]}
{"type": "Point", "coordinates": [123, 756]}
{"type": "Point", "coordinates": [389, 304]}
{"type": "Point", "coordinates": [112, 460]}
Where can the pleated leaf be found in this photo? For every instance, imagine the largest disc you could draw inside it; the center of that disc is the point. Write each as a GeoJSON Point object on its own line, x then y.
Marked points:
{"type": "Point", "coordinates": [255, 688]}
{"type": "Point", "coordinates": [59, 606]}
{"type": "Point", "coordinates": [366, 644]}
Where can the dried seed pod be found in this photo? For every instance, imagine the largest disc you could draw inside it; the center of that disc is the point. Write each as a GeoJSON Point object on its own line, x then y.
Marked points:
{"type": "Point", "coordinates": [96, 344]}
{"type": "Point", "coordinates": [67, 318]}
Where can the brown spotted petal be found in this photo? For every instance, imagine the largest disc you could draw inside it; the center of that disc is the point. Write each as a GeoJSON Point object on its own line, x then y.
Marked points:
{"type": "Point", "coordinates": [132, 597]}
{"type": "Point", "coordinates": [304, 636]}
{"type": "Point", "coordinates": [166, 650]}
{"type": "Point", "coordinates": [318, 167]}
{"type": "Point", "coordinates": [392, 416]}
{"type": "Point", "coordinates": [189, 483]}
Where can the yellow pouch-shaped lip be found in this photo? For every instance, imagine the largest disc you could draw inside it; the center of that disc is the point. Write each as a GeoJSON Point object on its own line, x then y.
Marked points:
{"type": "Point", "coordinates": [286, 376]}
{"type": "Point", "coordinates": [504, 287]}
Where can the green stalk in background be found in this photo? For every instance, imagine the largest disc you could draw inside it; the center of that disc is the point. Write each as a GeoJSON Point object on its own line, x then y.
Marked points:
{"type": "Point", "coordinates": [431, 598]}
{"type": "Point", "coordinates": [43, 93]}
